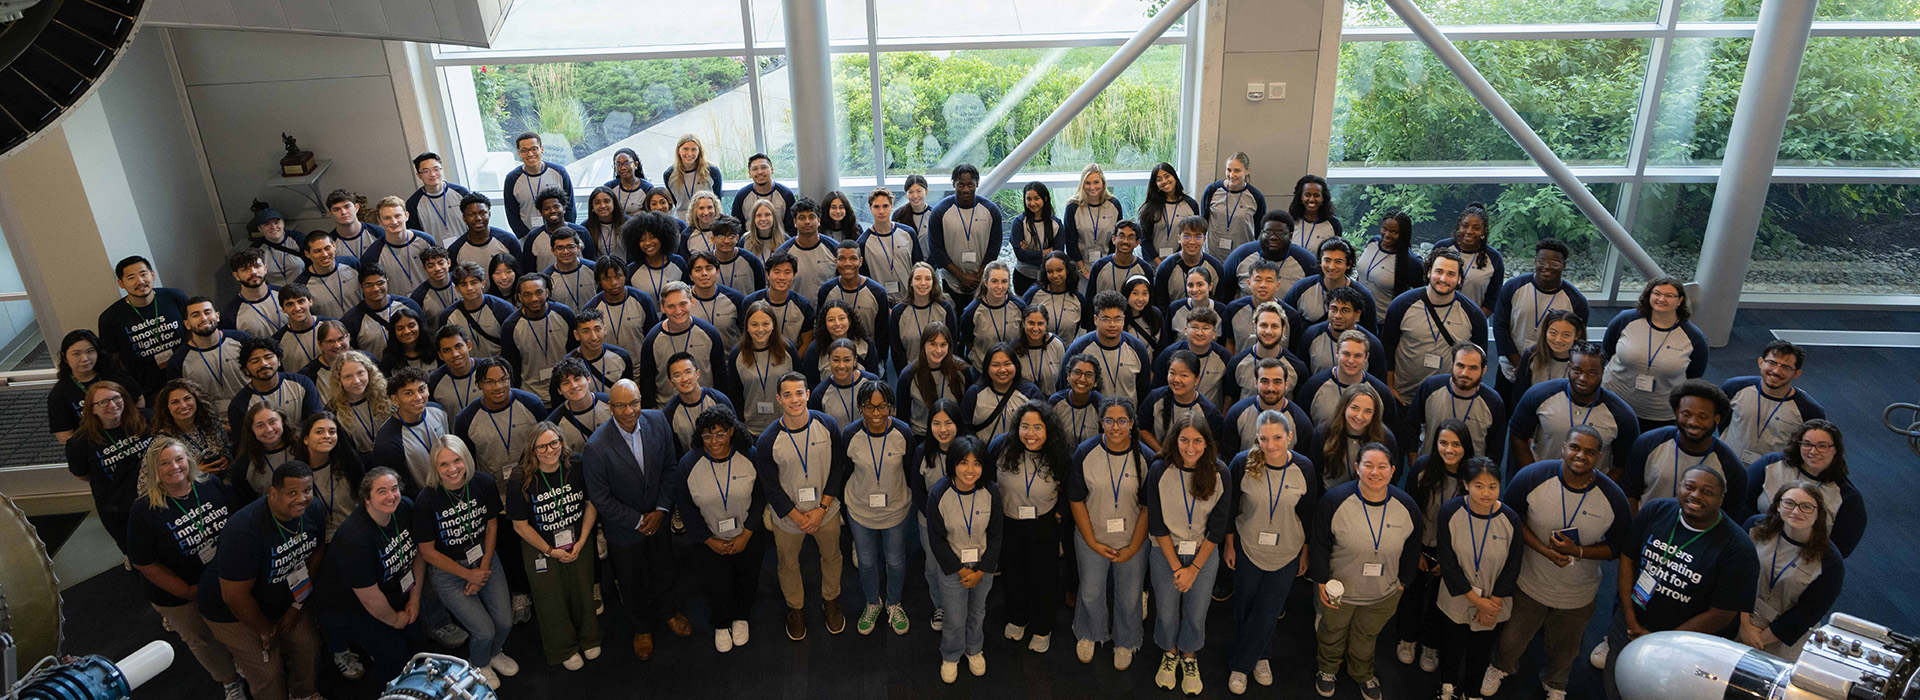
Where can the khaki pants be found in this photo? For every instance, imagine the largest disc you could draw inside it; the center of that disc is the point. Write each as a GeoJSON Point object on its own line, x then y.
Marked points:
{"type": "Point", "coordinates": [787, 547]}
{"type": "Point", "coordinates": [1351, 632]}
{"type": "Point", "coordinates": [287, 671]}
{"type": "Point", "coordinates": [192, 628]}
{"type": "Point", "coordinates": [1564, 629]}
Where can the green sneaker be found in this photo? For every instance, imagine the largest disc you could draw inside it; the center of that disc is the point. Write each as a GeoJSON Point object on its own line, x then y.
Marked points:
{"type": "Point", "coordinates": [868, 617]}
{"type": "Point", "coordinates": [897, 618]}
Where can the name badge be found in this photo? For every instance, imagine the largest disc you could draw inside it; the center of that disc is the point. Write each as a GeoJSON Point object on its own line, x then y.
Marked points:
{"type": "Point", "coordinates": [970, 555]}
{"type": "Point", "coordinates": [473, 555]}
{"type": "Point", "coordinates": [1269, 539]}
{"type": "Point", "coordinates": [807, 494]}
{"type": "Point", "coordinates": [1372, 570]}
{"type": "Point", "coordinates": [1643, 588]}
{"type": "Point", "coordinates": [763, 407]}
{"type": "Point", "coordinates": [406, 580]}
{"type": "Point", "coordinates": [877, 500]}
{"type": "Point", "coordinates": [1186, 548]}
{"type": "Point", "coordinates": [1643, 382]}
{"type": "Point", "coordinates": [544, 374]}
{"type": "Point", "coordinates": [729, 524]}
{"type": "Point", "coordinates": [1432, 361]}
{"type": "Point", "coordinates": [892, 287]}
{"type": "Point", "coordinates": [540, 565]}
{"type": "Point", "coordinates": [563, 539]}
{"type": "Point", "coordinates": [969, 256]}
{"type": "Point", "coordinates": [1116, 525]}
{"type": "Point", "coordinates": [1026, 513]}
{"type": "Point", "coordinates": [206, 554]}
{"type": "Point", "coordinates": [1223, 244]}
{"type": "Point", "coordinates": [299, 583]}
{"type": "Point", "coordinates": [1749, 456]}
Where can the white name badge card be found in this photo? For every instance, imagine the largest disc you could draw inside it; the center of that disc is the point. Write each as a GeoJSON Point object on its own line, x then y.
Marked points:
{"type": "Point", "coordinates": [970, 555]}
{"type": "Point", "coordinates": [1643, 382]}
{"type": "Point", "coordinates": [1186, 548]}
{"type": "Point", "coordinates": [877, 500]}
{"type": "Point", "coordinates": [473, 555]}
{"type": "Point", "coordinates": [1269, 539]}
{"type": "Point", "coordinates": [807, 494]}
{"type": "Point", "coordinates": [1431, 360]}
{"type": "Point", "coordinates": [1373, 569]}
{"type": "Point", "coordinates": [1026, 513]}
{"type": "Point", "coordinates": [563, 539]}
{"type": "Point", "coordinates": [1116, 525]}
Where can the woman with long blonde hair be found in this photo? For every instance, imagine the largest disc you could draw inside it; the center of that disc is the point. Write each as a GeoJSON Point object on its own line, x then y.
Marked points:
{"type": "Point", "coordinates": [690, 173]}
{"type": "Point", "coordinates": [356, 391]}
{"type": "Point", "coordinates": [170, 540]}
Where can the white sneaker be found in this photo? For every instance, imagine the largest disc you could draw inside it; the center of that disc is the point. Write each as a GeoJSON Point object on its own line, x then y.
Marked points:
{"type": "Point", "coordinates": [504, 664]}
{"type": "Point", "coordinates": [1169, 664]}
{"type": "Point", "coordinates": [1446, 692]}
{"type": "Point", "coordinates": [949, 671]}
{"type": "Point", "coordinates": [1599, 656]}
{"type": "Point", "coordinates": [492, 679]}
{"type": "Point", "coordinates": [1237, 683]}
{"type": "Point", "coordinates": [448, 635]}
{"type": "Point", "coordinates": [722, 641]}
{"type": "Point", "coordinates": [938, 621]}
{"type": "Point", "coordinates": [1083, 650]}
{"type": "Point", "coordinates": [1015, 632]}
{"type": "Point", "coordinates": [573, 663]}
{"type": "Point", "coordinates": [591, 654]}
{"type": "Point", "coordinates": [739, 632]}
{"type": "Point", "coordinates": [349, 665]}
{"type": "Point", "coordinates": [1404, 652]}
{"type": "Point", "coordinates": [1122, 658]}
{"type": "Point", "coordinates": [1263, 672]}
{"type": "Point", "coordinates": [1040, 643]}
{"type": "Point", "coordinates": [1429, 659]}
{"type": "Point", "coordinates": [236, 690]}
{"type": "Point", "coordinates": [1490, 683]}
{"type": "Point", "coordinates": [977, 664]}
{"type": "Point", "coordinates": [1560, 694]}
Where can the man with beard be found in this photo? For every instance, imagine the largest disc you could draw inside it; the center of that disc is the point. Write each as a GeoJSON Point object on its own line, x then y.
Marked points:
{"type": "Point", "coordinates": [210, 357]}
{"type": "Point", "coordinates": [1768, 409]}
{"type": "Point", "coordinates": [370, 323]}
{"type": "Point", "coordinates": [142, 329]}
{"type": "Point", "coordinates": [1268, 340]}
{"type": "Point", "coordinates": [1275, 246]}
{"type": "Point", "coordinates": [293, 394]}
{"type": "Point", "coordinates": [1542, 416]}
{"type": "Point", "coordinates": [1424, 323]}
{"type": "Point", "coordinates": [1460, 395]}
{"type": "Point", "coordinates": [256, 309]}
{"type": "Point", "coordinates": [1662, 455]}
{"type": "Point", "coordinates": [1272, 379]}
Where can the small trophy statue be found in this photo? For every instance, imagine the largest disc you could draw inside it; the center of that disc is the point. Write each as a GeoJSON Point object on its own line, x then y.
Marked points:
{"type": "Point", "coordinates": [297, 162]}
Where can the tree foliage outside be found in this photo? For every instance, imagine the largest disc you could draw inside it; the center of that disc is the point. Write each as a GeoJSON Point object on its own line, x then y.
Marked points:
{"type": "Point", "coordinates": [580, 108]}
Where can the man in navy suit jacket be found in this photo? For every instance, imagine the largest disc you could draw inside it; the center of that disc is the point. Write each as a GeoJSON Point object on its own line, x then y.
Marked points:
{"type": "Point", "coordinates": [627, 461]}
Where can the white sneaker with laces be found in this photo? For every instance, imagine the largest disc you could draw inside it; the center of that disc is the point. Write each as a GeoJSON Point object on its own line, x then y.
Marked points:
{"type": "Point", "coordinates": [1083, 650]}
{"type": "Point", "coordinates": [1446, 692]}
{"type": "Point", "coordinates": [1190, 675]}
{"type": "Point", "coordinates": [349, 665]}
{"type": "Point", "coordinates": [504, 664]}
{"type": "Point", "coordinates": [1169, 665]}
{"type": "Point", "coordinates": [1237, 683]}
{"type": "Point", "coordinates": [236, 690]}
{"type": "Point", "coordinates": [739, 632]}
{"type": "Point", "coordinates": [1404, 652]}
{"type": "Point", "coordinates": [1263, 672]}
{"type": "Point", "coordinates": [1429, 659]}
{"type": "Point", "coordinates": [1560, 694]}
{"type": "Point", "coordinates": [1040, 643]}
{"type": "Point", "coordinates": [591, 654]}
{"type": "Point", "coordinates": [492, 679]}
{"type": "Point", "coordinates": [1599, 656]}
{"type": "Point", "coordinates": [977, 664]}
{"type": "Point", "coordinates": [1490, 683]}
{"type": "Point", "coordinates": [723, 641]}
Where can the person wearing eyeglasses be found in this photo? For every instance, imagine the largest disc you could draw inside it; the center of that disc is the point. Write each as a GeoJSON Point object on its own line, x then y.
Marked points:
{"type": "Point", "coordinates": [1767, 408]}
{"type": "Point", "coordinates": [872, 475]}
{"type": "Point", "coordinates": [1801, 571]}
{"type": "Point", "coordinates": [431, 206]}
{"type": "Point", "coordinates": [525, 183]}
{"type": "Point", "coordinates": [1652, 348]}
{"type": "Point", "coordinates": [626, 462]}
{"type": "Point", "coordinates": [1816, 454]}
{"type": "Point", "coordinates": [548, 507]}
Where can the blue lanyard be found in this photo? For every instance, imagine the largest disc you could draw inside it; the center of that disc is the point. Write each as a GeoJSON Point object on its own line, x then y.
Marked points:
{"type": "Point", "coordinates": [464, 397]}
{"type": "Point", "coordinates": [506, 441]}
{"type": "Point", "coordinates": [1567, 520]}
{"type": "Point", "coordinates": [728, 488]}
{"type": "Point", "coordinates": [1116, 477]}
{"type": "Point", "coordinates": [1112, 367]}
{"type": "Point", "coordinates": [1273, 495]}
{"type": "Point", "coordinates": [1480, 546]}
{"type": "Point", "coordinates": [202, 354]}
{"type": "Point", "coordinates": [439, 207]}
{"type": "Point", "coordinates": [1540, 314]}
{"type": "Point", "coordinates": [613, 318]}
{"type": "Point", "coordinates": [365, 426]}
{"type": "Point", "coordinates": [255, 305]}
{"type": "Point", "coordinates": [534, 185]}
{"type": "Point", "coordinates": [1187, 499]}
{"type": "Point", "coordinates": [1453, 405]}
{"type": "Point", "coordinates": [1233, 205]}
{"type": "Point", "coordinates": [966, 514]}
{"type": "Point", "coordinates": [1676, 464]}
{"type": "Point", "coordinates": [1774, 568]}
{"type": "Point", "coordinates": [1381, 257]}
{"type": "Point", "coordinates": [400, 260]}
{"type": "Point", "coordinates": [1375, 534]}
{"type": "Point", "coordinates": [1762, 396]}
{"type": "Point", "coordinates": [1652, 352]}
{"type": "Point", "coordinates": [796, 448]}
{"type": "Point", "coordinates": [758, 370]}
{"type": "Point", "coordinates": [1033, 471]}
{"type": "Point", "coordinates": [966, 223]}
{"type": "Point", "coordinates": [1434, 330]}
{"type": "Point", "coordinates": [541, 336]}
{"type": "Point", "coordinates": [1571, 404]}
{"type": "Point", "coordinates": [425, 439]}
{"type": "Point", "coordinates": [886, 244]}
{"type": "Point", "coordinates": [845, 393]}
{"type": "Point", "coordinates": [875, 455]}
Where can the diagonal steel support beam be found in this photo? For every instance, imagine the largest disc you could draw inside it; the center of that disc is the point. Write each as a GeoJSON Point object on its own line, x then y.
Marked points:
{"type": "Point", "coordinates": [1083, 96]}
{"type": "Point", "coordinates": [1524, 135]}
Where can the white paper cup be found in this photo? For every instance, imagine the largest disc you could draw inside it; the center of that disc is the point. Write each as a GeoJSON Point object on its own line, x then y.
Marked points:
{"type": "Point", "coordinates": [1335, 589]}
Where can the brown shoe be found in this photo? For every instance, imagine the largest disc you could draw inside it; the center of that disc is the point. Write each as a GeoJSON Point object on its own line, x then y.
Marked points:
{"type": "Point", "coordinates": [643, 646]}
{"type": "Point", "coordinates": [836, 619]}
{"type": "Point", "coordinates": [796, 624]}
{"type": "Point", "coordinates": [679, 626]}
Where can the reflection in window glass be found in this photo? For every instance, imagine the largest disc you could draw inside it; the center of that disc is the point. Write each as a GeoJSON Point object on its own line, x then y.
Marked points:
{"type": "Point", "coordinates": [585, 112]}
{"type": "Point", "coordinates": [1697, 100]}
{"type": "Point", "coordinates": [918, 18]}
{"type": "Point", "coordinates": [1747, 10]}
{"type": "Point", "coordinates": [1395, 103]}
{"type": "Point", "coordinates": [1813, 239]}
{"type": "Point", "coordinates": [946, 108]}
{"type": "Point", "coordinates": [1519, 216]}
{"type": "Point", "coordinates": [594, 24]}
{"type": "Point", "coordinates": [1375, 13]}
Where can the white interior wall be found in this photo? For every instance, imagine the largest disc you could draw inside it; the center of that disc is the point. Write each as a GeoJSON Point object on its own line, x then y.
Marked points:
{"type": "Point", "coordinates": [1287, 137]}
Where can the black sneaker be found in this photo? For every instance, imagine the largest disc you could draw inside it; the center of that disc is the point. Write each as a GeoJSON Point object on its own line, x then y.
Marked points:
{"type": "Point", "coordinates": [1323, 684]}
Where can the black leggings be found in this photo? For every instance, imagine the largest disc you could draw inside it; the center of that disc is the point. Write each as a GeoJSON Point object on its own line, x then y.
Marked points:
{"type": "Point", "coordinates": [1464, 655]}
{"type": "Point", "coordinates": [1030, 572]}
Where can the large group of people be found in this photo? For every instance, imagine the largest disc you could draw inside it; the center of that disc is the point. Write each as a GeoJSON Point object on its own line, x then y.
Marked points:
{"type": "Point", "coordinates": [434, 428]}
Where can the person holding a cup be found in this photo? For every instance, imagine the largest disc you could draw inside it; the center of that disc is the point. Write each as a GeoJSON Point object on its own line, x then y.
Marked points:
{"type": "Point", "coordinates": [1366, 535]}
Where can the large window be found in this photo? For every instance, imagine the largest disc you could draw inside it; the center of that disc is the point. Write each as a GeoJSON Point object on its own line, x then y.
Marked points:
{"type": "Point", "coordinates": [955, 83]}
{"type": "Point", "coordinates": [1842, 217]}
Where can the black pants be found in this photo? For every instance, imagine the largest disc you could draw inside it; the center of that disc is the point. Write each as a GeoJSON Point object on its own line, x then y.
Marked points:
{"type": "Point", "coordinates": [731, 581]}
{"type": "Point", "coordinates": [1463, 655]}
{"type": "Point", "coordinates": [1030, 572]}
{"type": "Point", "coordinates": [644, 573]}
{"type": "Point", "coordinates": [1419, 618]}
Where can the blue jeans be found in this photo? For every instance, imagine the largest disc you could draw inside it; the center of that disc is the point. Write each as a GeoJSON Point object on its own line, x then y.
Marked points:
{"type": "Point", "coordinates": [963, 633]}
{"type": "Point", "coordinates": [1180, 619]}
{"type": "Point", "coordinates": [1092, 619]}
{"type": "Point", "coordinates": [866, 544]}
{"type": "Point", "coordinates": [488, 615]}
{"type": "Point", "coordinates": [933, 567]}
{"type": "Point", "coordinates": [1258, 597]}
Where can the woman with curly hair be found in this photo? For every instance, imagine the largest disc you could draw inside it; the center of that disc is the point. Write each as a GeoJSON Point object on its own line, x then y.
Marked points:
{"type": "Point", "coordinates": [186, 413]}
{"type": "Point", "coordinates": [1034, 462]}
{"type": "Point", "coordinates": [356, 391]}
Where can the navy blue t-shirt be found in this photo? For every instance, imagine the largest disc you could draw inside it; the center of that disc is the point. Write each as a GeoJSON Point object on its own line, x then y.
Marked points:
{"type": "Point", "coordinates": [364, 553]}
{"type": "Point", "coordinates": [552, 503]}
{"type": "Point", "coordinates": [455, 521]}
{"type": "Point", "coordinates": [1691, 570]}
{"type": "Point", "coordinates": [271, 553]}
{"type": "Point", "coordinates": [181, 536]}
